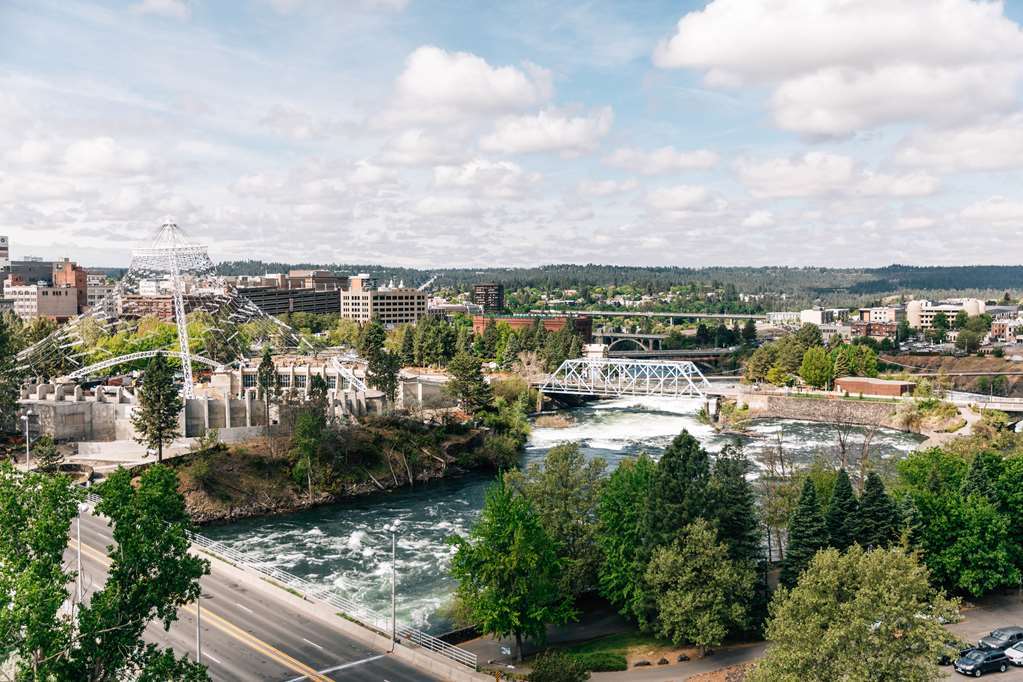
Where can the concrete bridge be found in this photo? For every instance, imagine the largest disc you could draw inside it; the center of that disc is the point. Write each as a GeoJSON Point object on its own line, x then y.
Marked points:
{"type": "Point", "coordinates": [727, 318]}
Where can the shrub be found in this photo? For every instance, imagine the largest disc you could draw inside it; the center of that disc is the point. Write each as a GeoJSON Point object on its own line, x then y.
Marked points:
{"type": "Point", "coordinates": [555, 666]}
{"type": "Point", "coordinates": [602, 661]}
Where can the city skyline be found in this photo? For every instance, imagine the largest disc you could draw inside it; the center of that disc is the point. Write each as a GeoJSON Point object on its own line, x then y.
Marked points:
{"type": "Point", "coordinates": [734, 132]}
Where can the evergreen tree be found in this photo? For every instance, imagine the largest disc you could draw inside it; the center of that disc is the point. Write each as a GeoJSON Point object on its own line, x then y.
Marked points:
{"type": "Point", "coordinates": [383, 371]}
{"type": "Point", "coordinates": [732, 507]}
{"type": "Point", "coordinates": [371, 339]}
{"type": "Point", "coordinates": [10, 379]}
{"type": "Point", "coordinates": [318, 393]}
{"type": "Point", "coordinates": [155, 418]}
{"type": "Point", "coordinates": [269, 386]}
{"type": "Point", "coordinates": [877, 521]}
{"type": "Point", "coordinates": [840, 519]}
{"type": "Point", "coordinates": [807, 535]}
{"type": "Point", "coordinates": [408, 347]}
{"type": "Point", "coordinates": [840, 359]}
{"type": "Point", "coordinates": [984, 470]}
{"type": "Point", "coordinates": [467, 385]}
{"type": "Point", "coordinates": [678, 495]}
{"type": "Point", "coordinates": [45, 455]}
{"type": "Point", "coordinates": [749, 331]}
{"type": "Point", "coordinates": [511, 351]}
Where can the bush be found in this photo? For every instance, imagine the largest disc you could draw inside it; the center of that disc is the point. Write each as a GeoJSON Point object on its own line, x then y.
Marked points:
{"type": "Point", "coordinates": [602, 661]}
{"type": "Point", "coordinates": [555, 666]}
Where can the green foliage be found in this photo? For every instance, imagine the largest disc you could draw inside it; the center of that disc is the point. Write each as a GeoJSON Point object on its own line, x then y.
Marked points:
{"type": "Point", "coordinates": [732, 506]}
{"type": "Point", "coordinates": [601, 661]}
{"type": "Point", "coordinates": [678, 494]}
{"type": "Point", "coordinates": [307, 442]}
{"type": "Point", "coordinates": [159, 404]}
{"type": "Point", "coordinates": [701, 594]}
{"type": "Point", "coordinates": [969, 341]}
{"type": "Point", "coordinates": [468, 386]}
{"type": "Point", "coordinates": [749, 331]}
{"type": "Point", "coordinates": [857, 616]}
{"type": "Point", "coordinates": [620, 511]}
{"type": "Point", "coordinates": [842, 516]}
{"type": "Point", "coordinates": [564, 493]}
{"type": "Point", "coordinates": [45, 455]}
{"type": "Point", "coordinates": [555, 666]}
{"type": "Point", "coordinates": [809, 335]}
{"type": "Point", "coordinates": [508, 571]}
{"type": "Point", "coordinates": [10, 377]}
{"type": "Point", "coordinates": [816, 368]}
{"type": "Point", "coordinates": [371, 339]}
{"type": "Point", "coordinates": [383, 372]}
{"type": "Point", "coordinates": [877, 523]}
{"type": "Point", "coordinates": [807, 535]}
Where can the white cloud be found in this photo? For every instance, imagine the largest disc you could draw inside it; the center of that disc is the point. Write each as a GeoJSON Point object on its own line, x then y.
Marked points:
{"type": "Point", "coordinates": [603, 188]}
{"type": "Point", "coordinates": [663, 160]}
{"type": "Point", "coordinates": [366, 173]}
{"type": "Point", "coordinates": [759, 219]}
{"type": "Point", "coordinates": [839, 66]}
{"type": "Point", "coordinates": [415, 147]}
{"type": "Point", "coordinates": [497, 179]}
{"type": "Point", "coordinates": [992, 145]}
{"type": "Point", "coordinates": [681, 198]}
{"type": "Point", "coordinates": [999, 211]}
{"type": "Point", "coordinates": [822, 174]}
{"type": "Point", "coordinates": [438, 86]}
{"type": "Point", "coordinates": [30, 153]}
{"type": "Point", "coordinates": [104, 156]}
{"type": "Point", "coordinates": [549, 130]}
{"type": "Point", "coordinates": [447, 206]}
{"type": "Point", "coordinates": [175, 9]}
{"type": "Point", "coordinates": [915, 223]}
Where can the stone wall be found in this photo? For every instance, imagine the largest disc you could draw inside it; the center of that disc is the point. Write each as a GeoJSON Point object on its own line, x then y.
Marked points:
{"type": "Point", "coordinates": [865, 412]}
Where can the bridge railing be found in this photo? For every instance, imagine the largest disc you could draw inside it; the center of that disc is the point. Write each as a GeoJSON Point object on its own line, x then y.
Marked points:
{"type": "Point", "coordinates": [350, 608]}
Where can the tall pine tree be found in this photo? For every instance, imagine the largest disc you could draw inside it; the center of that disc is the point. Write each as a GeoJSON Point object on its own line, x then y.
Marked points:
{"type": "Point", "coordinates": [807, 535]}
{"type": "Point", "coordinates": [156, 417]}
{"type": "Point", "coordinates": [840, 519]}
{"type": "Point", "coordinates": [678, 495]}
{"type": "Point", "coordinates": [732, 507]}
{"type": "Point", "coordinates": [984, 470]}
{"type": "Point", "coordinates": [878, 519]}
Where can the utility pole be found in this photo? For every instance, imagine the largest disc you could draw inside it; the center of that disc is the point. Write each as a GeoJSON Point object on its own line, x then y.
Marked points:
{"type": "Point", "coordinates": [392, 528]}
{"type": "Point", "coordinates": [78, 549]}
{"type": "Point", "coordinates": [27, 417]}
{"type": "Point", "coordinates": [198, 629]}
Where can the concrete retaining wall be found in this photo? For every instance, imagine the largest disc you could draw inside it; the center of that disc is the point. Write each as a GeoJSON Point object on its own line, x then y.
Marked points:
{"type": "Point", "coordinates": [865, 412]}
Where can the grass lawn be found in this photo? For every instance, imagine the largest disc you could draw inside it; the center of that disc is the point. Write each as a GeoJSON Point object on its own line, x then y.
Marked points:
{"type": "Point", "coordinates": [620, 643]}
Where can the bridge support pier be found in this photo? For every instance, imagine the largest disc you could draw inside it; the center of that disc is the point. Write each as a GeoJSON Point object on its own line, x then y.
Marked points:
{"type": "Point", "coordinates": [539, 400]}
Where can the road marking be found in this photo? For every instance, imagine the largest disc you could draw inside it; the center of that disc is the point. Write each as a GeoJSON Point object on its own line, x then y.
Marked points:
{"type": "Point", "coordinates": [242, 606]}
{"type": "Point", "coordinates": [343, 666]}
{"type": "Point", "coordinates": [212, 658]}
{"type": "Point", "coordinates": [313, 643]}
{"type": "Point", "coordinates": [232, 630]}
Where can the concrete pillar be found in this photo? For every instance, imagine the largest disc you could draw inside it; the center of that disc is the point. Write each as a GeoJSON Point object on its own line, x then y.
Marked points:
{"type": "Point", "coordinates": [228, 421]}
{"type": "Point", "coordinates": [248, 409]}
{"type": "Point", "coordinates": [58, 392]}
{"type": "Point", "coordinates": [539, 400]}
{"type": "Point", "coordinates": [78, 394]}
{"type": "Point", "coordinates": [205, 414]}
{"type": "Point", "coordinates": [419, 391]}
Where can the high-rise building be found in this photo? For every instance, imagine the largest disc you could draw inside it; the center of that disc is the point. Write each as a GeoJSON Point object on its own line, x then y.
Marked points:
{"type": "Point", "coordinates": [364, 301]}
{"type": "Point", "coordinates": [489, 295]}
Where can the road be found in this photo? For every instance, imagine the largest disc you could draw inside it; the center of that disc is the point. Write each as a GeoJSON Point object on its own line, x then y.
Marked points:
{"type": "Point", "coordinates": [252, 630]}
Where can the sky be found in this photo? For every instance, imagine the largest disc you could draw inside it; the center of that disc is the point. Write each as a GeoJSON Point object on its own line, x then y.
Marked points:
{"type": "Point", "coordinates": [435, 133]}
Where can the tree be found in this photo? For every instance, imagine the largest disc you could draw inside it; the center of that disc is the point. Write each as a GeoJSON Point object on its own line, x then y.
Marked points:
{"type": "Point", "coordinates": [10, 377]}
{"type": "Point", "coordinates": [840, 362]}
{"type": "Point", "coordinates": [749, 331]}
{"type": "Point", "coordinates": [467, 384]}
{"type": "Point", "coordinates": [371, 339]}
{"type": "Point", "coordinates": [841, 517]}
{"type": "Point", "coordinates": [961, 318]}
{"type": "Point", "coordinates": [46, 456]}
{"type": "Point", "coordinates": [732, 506]}
{"type": "Point", "coordinates": [408, 347]}
{"type": "Point", "coordinates": [984, 471]}
{"type": "Point", "coordinates": [816, 368]}
{"type": "Point", "coordinates": [761, 362]}
{"type": "Point", "coordinates": [702, 594]}
{"type": "Point", "coordinates": [621, 531]}
{"type": "Point", "coordinates": [809, 335]}
{"type": "Point", "coordinates": [903, 331]}
{"type": "Point", "coordinates": [940, 322]}
{"type": "Point", "coordinates": [151, 575]}
{"type": "Point", "coordinates": [306, 441]}
{"type": "Point", "coordinates": [159, 405]}
{"type": "Point", "coordinates": [858, 615]}
{"type": "Point", "coordinates": [564, 493]}
{"type": "Point", "coordinates": [383, 371]}
{"type": "Point", "coordinates": [269, 386]}
{"type": "Point", "coordinates": [678, 494]}
{"type": "Point", "coordinates": [968, 340]}
{"type": "Point", "coordinates": [878, 519]}
{"type": "Point", "coordinates": [807, 535]}
{"type": "Point", "coordinates": [508, 573]}
{"type": "Point", "coordinates": [318, 391]}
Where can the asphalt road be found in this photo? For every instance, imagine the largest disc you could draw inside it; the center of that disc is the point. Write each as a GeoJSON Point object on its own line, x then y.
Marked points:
{"type": "Point", "coordinates": [248, 632]}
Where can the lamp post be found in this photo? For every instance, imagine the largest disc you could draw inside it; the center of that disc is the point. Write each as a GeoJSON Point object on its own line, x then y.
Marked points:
{"type": "Point", "coordinates": [392, 528]}
{"type": "Point", "coordinates": [82, 507]}
{"type": "Point", "coordinates": [198, 630]}
{"type": "Point", "coordinates": [27, 417]}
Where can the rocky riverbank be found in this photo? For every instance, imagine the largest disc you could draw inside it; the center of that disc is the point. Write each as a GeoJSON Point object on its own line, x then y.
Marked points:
{"type": "Point", "coordinates": [258, 478]}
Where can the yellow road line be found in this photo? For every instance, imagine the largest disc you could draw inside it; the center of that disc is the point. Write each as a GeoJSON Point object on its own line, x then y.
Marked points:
{"type": "Point", "coordinates": [232, 630]}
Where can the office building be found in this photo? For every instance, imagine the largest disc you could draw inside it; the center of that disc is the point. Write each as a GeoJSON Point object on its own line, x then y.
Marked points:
{"type": "Point", "coordinates": [68, 274]}
{"type": "Point", "coordinates": [41, 300]}
{"type": "Point", "coordinates": [392, 305]}
{"type": "Point", "coordinates": [921, 313]}
{"type": "Point", "coordinates": [98, 287]}
{"type": "Point", "coordinates": [883, 314]}
{"type": "Point", "coordinates": [277, 301]}
{"type": "Point", "coordinates": [490, 296]}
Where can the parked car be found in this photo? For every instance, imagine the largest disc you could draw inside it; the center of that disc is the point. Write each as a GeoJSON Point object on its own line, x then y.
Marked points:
{"type": "Point", "coordinates": [1015, 653]}
{"type": "Point", "coordinates": [979, 661]}
{"type": "Point", "coordinates": [1002, 638]}
{"type": "Point", "coordinates": [953, 649]}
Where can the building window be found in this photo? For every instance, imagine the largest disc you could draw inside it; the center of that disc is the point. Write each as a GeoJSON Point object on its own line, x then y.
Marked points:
{"type": "Point", "coordinates": [299, 381]}
{"type": "Point", "coordinates": [331, 382]}
{"type": "Point", "coordinates": [284, 380]}
{"type": "Point", "coordinates": [249, 381]}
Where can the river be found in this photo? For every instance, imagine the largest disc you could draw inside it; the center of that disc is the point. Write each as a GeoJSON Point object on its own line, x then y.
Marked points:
{"type": "Point", "coordinates": [344, 545]}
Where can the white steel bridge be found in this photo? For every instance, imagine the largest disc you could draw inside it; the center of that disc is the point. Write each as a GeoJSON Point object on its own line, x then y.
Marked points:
{"type": "Point", "coordinates": [612, 377]}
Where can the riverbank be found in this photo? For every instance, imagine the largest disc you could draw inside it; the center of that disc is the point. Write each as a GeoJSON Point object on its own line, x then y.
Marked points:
{"type": "Point", "coordinates": [259, 478]}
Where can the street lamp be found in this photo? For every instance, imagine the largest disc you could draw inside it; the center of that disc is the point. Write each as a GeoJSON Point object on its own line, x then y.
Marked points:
{"type": "Point", "coordinates": [198, 630]}
{"type": "Point", "coordinates": [392, 528]}
{"type": "Point", "coordinates": [82, 507]}
{"type": "Point", "coordinates": [27, 417]}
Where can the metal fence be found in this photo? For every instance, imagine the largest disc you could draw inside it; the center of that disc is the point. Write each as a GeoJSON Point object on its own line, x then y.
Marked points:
{"type": "Point", "coordinates": [350, 608]}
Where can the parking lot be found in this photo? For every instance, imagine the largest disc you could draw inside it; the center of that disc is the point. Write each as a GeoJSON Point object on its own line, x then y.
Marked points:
{"type": "Point", "coordinates": [987, 615]}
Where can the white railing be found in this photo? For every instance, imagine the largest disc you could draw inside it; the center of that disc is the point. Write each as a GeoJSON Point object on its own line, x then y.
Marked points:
{"type": "Point", "coordinates": [350, 608]}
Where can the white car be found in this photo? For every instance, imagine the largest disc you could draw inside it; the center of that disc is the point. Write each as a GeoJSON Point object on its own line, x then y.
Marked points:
{"type": "Point", "coordinates": [1015, 653]}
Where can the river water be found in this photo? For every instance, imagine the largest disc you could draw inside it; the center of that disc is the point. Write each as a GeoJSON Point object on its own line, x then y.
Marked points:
{"type": "Point", "coordinates": [344, 545]}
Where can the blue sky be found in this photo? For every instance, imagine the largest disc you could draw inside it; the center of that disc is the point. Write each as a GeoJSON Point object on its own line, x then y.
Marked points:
{"type": "Point", "coordinates": [732, 132]}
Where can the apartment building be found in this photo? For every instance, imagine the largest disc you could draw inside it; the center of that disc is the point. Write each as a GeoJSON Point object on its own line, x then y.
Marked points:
{"type": "Point", "coordinates": [67, 274]}
{"type": "Point", "coordinates": [363, 300]}
{"type": "Point", "coordinates": [490, 296]}
{"type": "Point", "coordinates": [98, 287]}
{"type": "Point", "coordinates": [820, 316]}
{"type": "Point", "coordinates": [883, 314]}
{"type": "Point", "coordinates": [41, 300]}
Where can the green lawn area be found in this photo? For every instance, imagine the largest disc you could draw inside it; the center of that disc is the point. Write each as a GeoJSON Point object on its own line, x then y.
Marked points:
{"type": "Point", "coordinates": [620, 643]}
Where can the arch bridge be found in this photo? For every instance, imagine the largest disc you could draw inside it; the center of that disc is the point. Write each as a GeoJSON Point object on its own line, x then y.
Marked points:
{"type": "Point", "coordinates": [141, 355]}
{"type": "Point", "coordinates": [613, 377]}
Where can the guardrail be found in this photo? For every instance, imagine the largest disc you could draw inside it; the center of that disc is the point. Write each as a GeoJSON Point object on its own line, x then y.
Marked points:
{"type": "Point", "coordinates": [348, 607]}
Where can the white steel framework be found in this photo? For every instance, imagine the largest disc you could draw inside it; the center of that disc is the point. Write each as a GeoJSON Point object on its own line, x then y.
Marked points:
{"type": "Point", "coordinates": [355, 382]}
{"type": "Point", "coordinates": [142, 355]}
{"type": "Point", "coordinates": [617, 377]}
